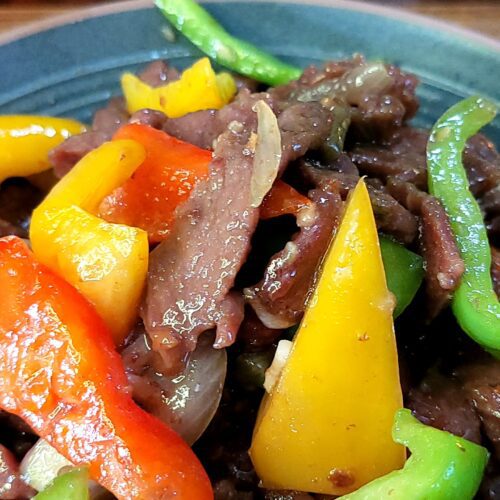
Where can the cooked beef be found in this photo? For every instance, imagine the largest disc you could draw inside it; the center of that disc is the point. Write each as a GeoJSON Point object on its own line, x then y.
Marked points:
{"type": "Point", "coordinates": [12, 487]}
{"type": "Point", "coordinates": [192, 272]}
{"type": "Point", "coordinates": [403, 157]}
{"type": "Point", "coordinates": [65, 156]}
{"type": "Point", "coordinates": [482, 163]}
{"type": "Point", "coordinates": [440, 401]}
{"type": "Point", "coordinates": [254, 334]}
{"type": "Point", "coordinates": [106, 122]}
{"type": "Point", "coordinates": [109, 119]}
{"type": "Point", "coordinates": [158, 73]}
{"type": "Point", "coordinates": [443, 265]}
{"type": "Point", "coordinates": [18, 198]}
{"type": "Point", "coordinates": [391, 217]}
{"type": "Point", "coordinates": [481, 383]}
{"type": "Point", "coordinates": [303, 126]}
{"type": "Point", "coordinates": [495, 269]}
{"type": "Point", "coordinates": [150, 117]}
{"type": "Point", "coordinates": [200, 128]}
{"type": "Point", "coordinates": [279, 299]}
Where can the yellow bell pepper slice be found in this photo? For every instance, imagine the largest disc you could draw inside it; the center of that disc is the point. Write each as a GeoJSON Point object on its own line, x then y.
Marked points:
{"type": "Point", "coordinates": [198, 88]}
{"type": "Point", "coordinates": [25, 142]}
{"type": "Point", "coordinates": [106, 262]}
{"type": "Point", "coordinates": [326, 425]}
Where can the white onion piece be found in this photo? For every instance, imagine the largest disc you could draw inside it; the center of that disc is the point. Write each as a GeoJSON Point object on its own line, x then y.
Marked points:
{"type": "Point", "coordinates": [273, 373]}
{"type": "Point", "coordinates": [366, 79]}
{"type": "Point", "coordinates": [41, 465]}
{"type": "Point", "coordinates": [187, 401]}
{"type": "Point", "coordinates": [267, 153]}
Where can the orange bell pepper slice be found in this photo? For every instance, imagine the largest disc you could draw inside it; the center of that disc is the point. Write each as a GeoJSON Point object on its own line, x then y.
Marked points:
{"type": "Point", "coordinates": [283, 199]}
{"type": "Point", "coordinates": [60, 373]}
{"type": "Point", "coordinates": [163, 181]}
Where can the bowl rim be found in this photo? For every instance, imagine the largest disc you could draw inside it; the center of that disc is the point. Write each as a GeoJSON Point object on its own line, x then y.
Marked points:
{"type": "Point", "coordinates": [83, 14]}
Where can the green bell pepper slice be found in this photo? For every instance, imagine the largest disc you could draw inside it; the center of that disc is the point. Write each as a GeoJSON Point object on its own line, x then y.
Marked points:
{"type": "Point", "coordinates": [441, 466]}
{"type": "Point", "coordinates": [196, 24]}
{"type": "Point", "coordinates": [474, 303]}
{"type": "Point", "coordinates": [73, 485]}
{"type": "Point", "coordinates": [404, 272]}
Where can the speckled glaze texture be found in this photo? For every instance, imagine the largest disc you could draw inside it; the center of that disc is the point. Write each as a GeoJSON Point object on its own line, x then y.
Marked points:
{"type": "Point", "coordinates": [72, 69]}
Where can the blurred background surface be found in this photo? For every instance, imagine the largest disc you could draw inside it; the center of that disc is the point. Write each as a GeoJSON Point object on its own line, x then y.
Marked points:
{"type": "Point", "coordinates": [480, 15]}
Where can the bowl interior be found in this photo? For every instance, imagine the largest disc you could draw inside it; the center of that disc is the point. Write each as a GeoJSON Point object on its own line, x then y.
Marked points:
{"type": "Point", "coordinates": [73, 69]}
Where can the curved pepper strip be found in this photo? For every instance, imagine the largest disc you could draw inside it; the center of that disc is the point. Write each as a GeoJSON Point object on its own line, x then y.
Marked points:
{"type": "Point", "coordinates": [474, 303]}
{"type": "Point", "coordinates": [198, 88]}
{"type": "Point", "coordinates": [25, 142]}
{"type": "Point", "coordinates": [73, 485]}
{"type": "Point", "coordinates": [196, 24]}
{"type": "Point", "coordinates": [325, 426]}
{"type": "Point", "coordinates": [163, 181]}
{"type": "Point", "coordinates": [441, 467]}
{"type": "Point", "coordinates": [60, 373]}
{"type": "Point", "coordinates": [106, 262]}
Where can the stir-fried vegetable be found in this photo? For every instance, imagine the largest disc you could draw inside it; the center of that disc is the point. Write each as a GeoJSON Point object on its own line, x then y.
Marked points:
{"type": "Point", "coordinates": [198, 88]}
{"type": "Point", "coordinates": [326, 425]}
{"type": "Point", "coordinates": [441, 467]}
{"type": "Point", "coordinates": [475, 303]}
{"type": "Point", "coordinates": [404, 272]}
{"type": "Point", "coordinates": [195, 23]}
{"type": "Point", "coordinates": [164, 180]}
{"type": "Point", "coordinates": [42, 464]}
{"type": "Point", "coordinates": [106, 262]}
{"type": "Point", "coordinates": [283, 199]}
{"type": "Point", "coordinates": [73, 485]}
{"type": "Point", "coordinates": [61, 374]}
{"type": "Point", "coordinates": [25, 142]}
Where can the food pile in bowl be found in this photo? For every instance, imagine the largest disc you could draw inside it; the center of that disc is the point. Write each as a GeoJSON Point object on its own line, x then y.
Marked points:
{"type": "Point", "coordinates": [259, 282]}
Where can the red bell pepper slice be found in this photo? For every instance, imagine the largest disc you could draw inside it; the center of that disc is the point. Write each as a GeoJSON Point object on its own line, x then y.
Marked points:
{"type": "Point", "coordinates": [283, 199]}
{"type": "Point", "coordinates": [164, 180]}
{"type": "Point", "coordinates": [60, 373]}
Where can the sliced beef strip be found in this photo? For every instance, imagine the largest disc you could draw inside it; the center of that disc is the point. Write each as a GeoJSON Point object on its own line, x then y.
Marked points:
{"type": "Point", "coordinates": [12, 487]}
{"type": "Point", "coordinates": [443, 265]}
{"type": "Point", "coordinates": [303, 126]}
{"type": "Point", "coordinates": [495, 269]}
{"type": "Point", "coordinates": [482, 163]}
{"type": "Point", "coordinates": [109, 119]}
{"type": "Point", "coordinates": [481, 382]}
{"type": "Point", "coordinates": [279, 299]}
{"type": "Point", "coordinates": [254, 334]}
{"type": "Point", "coordinates": [106, 122]}
{"type": "Point", "coordinates": [377, 111]}
{"type": "Point", "coordinates": [403, 158]}
{"type": "Point", "coordinates": [150, 117]}
{"type": "Point", "coordinates": [192, 272]}
{"type": "Point", "coordinates": [440, 401]}
{"type": "Point", "coordinates": [391, 217]}
{"type": "Point", "coordinates": [202, 128]}
{"type": "Point", "coordinates": [158, 73]}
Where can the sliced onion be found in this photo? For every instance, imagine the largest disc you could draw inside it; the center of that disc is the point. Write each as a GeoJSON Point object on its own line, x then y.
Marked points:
{"type": "Point", "coordinates": [352, 86]}
{"type": "Point", "coordinates": [267, 153]}
{"type": "Point", "coordinates": [187, 401]}
{"type": "Point", "coordinates": [363, 80]}
{"type": "Point", "coordinates": [41, 465]}
{"type": "Point", "coordinates": [273, 373]}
